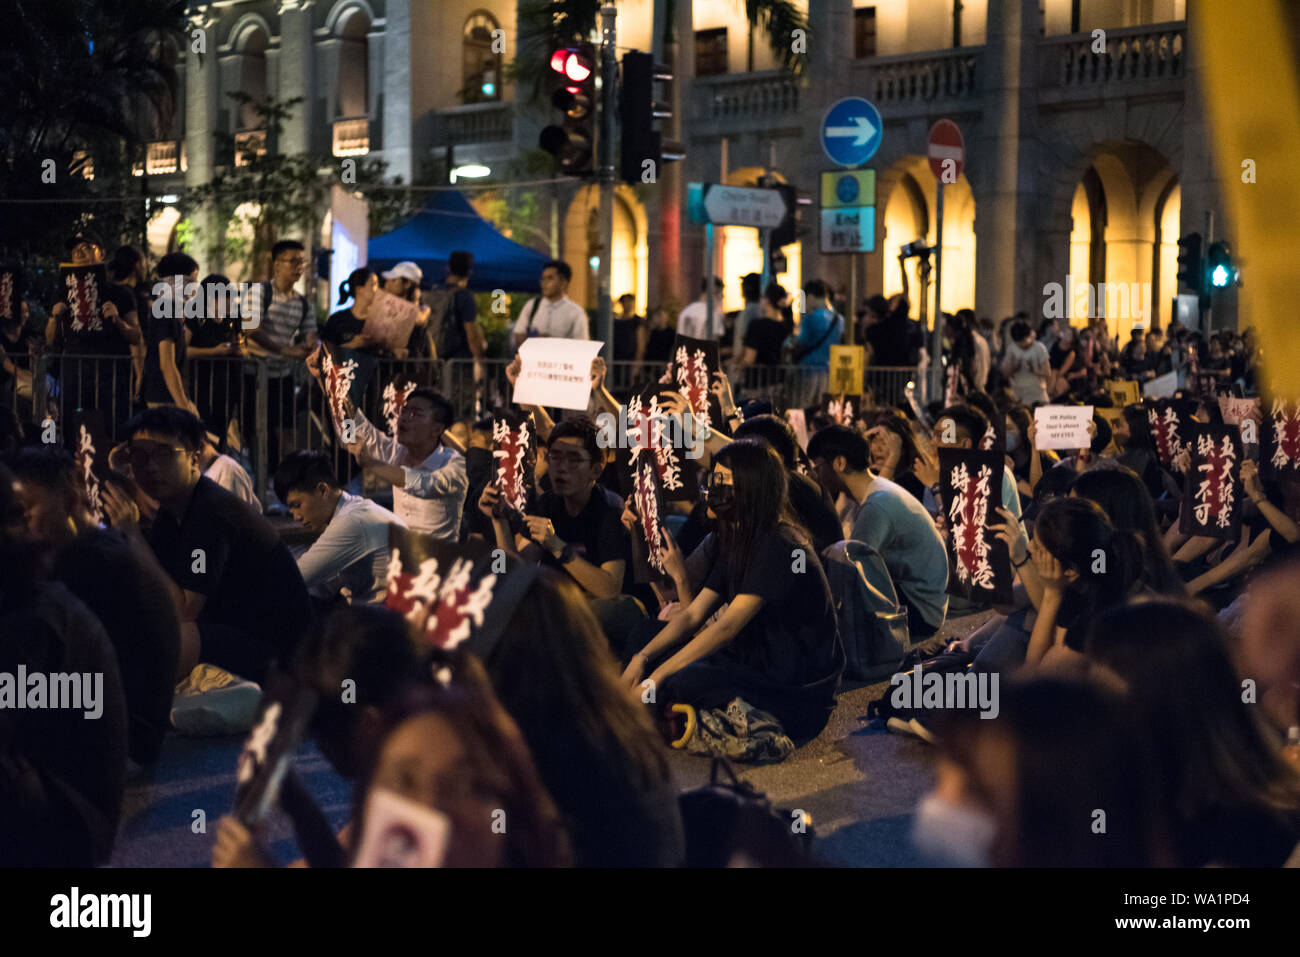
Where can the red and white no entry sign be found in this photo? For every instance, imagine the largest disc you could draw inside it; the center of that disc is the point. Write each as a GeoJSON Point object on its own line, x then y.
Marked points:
{"type": "Point", "coordinates": [946, 143]}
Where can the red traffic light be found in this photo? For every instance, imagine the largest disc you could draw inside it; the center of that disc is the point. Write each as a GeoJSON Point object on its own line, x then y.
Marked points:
{"type": "Point", "coordinates": [572, 64]}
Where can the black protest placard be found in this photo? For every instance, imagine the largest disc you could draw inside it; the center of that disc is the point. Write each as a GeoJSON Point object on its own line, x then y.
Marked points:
{"type": "Point", "coordinates": [648, 546]}
{"type": "Point", "coordinates": [970, 491]}
{"type": "Point", "coordinates": [668, 441]}
{"type": "Point", "coordinates": [1171, 422]}
{"type": "Point", "coordinates": [694, 363]}
{"type": "Point", "coordinates": [1212, 489]}
{"type": "Point", "coordinates": [85, 291]}
{"type": "Point", "coordinates": [281, 723]}
{"type": "Point", "coordinates": [87, 440]}
{"type": "Point", "coordinates": [840, 409]}
{"type": "Point", "coordinates": [514, 458]}
{"type": "Point", "coordinates": [394, 398]}
{"type": "Point", "coordinates": [1281, 436]}
{"type": "Point", "coordinates": [11, 294]}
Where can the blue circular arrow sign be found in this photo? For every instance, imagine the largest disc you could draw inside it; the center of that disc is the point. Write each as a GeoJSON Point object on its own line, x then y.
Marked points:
{"type": "Point", "coordinates": [851, 131]}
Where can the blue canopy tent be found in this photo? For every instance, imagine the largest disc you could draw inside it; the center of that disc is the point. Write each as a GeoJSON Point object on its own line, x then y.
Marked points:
{"type": "Point", "coordinates": [446, 223]}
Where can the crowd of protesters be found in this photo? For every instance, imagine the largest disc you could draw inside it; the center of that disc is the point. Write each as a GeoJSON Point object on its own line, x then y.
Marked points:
{"type": "Point", "coordinates": [1124, 645]}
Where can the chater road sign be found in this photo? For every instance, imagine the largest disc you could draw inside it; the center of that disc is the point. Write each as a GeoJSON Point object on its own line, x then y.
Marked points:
{"type": "Point", "coordinates": [735, 205]}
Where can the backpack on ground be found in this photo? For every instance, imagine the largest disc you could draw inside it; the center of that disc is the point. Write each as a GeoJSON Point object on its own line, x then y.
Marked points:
{"type": "Point", "coordinates": [726, 819]}
{"type": "Point", "coordinates": [873, 622]}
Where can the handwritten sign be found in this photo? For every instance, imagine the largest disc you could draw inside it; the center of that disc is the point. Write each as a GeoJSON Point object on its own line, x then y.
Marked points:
{"type": "Point", "coordinates": [556, 372]}
{"type": "Point", "coordinates": [1063, 426]}
{"type": "Point", "coordinates": [401, 833]}
{"type": "Point", "coordinates": [390, 321]}
{"type": "Point", "coordinates": [1235, 411]}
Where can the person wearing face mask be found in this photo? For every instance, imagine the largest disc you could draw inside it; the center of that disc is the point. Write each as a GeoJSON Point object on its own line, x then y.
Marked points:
{"type": "Point", "coordinates": [1003, 796]}
{"type": "Point", "coordinates": [777, 645]}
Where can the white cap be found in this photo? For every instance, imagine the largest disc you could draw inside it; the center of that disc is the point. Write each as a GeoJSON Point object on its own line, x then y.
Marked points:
{"type": "Point", "coordinates": [405, 270]}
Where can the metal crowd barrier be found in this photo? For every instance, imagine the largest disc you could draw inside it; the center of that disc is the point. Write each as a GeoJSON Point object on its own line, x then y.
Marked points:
{"type": "Point", "coordinates": [262, 414]}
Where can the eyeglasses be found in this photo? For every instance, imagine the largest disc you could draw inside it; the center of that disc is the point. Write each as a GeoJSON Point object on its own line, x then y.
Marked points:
{"type": "Point", "coordinates": [567, 458]}
{"type": "Point", "coordinates": [294, 261]}
{"type": "Point", "coordinates": [155, 454]}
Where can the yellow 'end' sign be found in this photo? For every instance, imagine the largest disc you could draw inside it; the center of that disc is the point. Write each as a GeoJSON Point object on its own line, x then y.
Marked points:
{"type": "Point", "coordinates": [848, 368]}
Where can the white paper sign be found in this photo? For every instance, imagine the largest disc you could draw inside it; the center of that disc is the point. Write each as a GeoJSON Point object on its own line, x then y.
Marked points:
{"type": "Point", "coordinates": [401, 833]}
{"type": "Point", "coordinates": [800, 425]}
{"type": "Point", "coordinates": [390, 321]}
{"type": "Point", "coordinates": [1161, 387]}
{"type": "Point", "coordinates": [1063, 426]}
{"type": "Point", "coordinates": [556, 372]}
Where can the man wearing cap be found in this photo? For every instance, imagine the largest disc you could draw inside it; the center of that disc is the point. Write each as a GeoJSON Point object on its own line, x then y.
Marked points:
{"type": "Point", "coordinates": [276, 315]}
{"type": "Point", "coordinates": [403, 281]}
{"type": "Point", "coordinates": [552, 313]}
{"type": "Point", "coordinates": [107, 387]}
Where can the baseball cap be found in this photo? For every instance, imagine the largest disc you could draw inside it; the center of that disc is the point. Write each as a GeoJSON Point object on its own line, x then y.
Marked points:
{"type": "Point", "coordinates": [405, 270]}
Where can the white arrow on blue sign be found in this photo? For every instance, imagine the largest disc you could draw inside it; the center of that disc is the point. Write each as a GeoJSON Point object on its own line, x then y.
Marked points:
{"type": "Point", "coordinates": [851, 131]}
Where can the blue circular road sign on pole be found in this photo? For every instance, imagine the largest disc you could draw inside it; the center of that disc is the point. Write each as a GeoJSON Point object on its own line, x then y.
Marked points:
{"type": "Point", "coordinates": [851, 131]}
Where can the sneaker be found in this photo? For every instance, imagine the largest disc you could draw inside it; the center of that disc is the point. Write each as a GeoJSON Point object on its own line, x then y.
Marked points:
{"type": "Point", "coordinates": [211, 701]}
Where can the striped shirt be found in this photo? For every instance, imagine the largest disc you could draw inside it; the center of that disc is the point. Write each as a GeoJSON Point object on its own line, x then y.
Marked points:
{"type": "Point", "coordinates": [285, 317]}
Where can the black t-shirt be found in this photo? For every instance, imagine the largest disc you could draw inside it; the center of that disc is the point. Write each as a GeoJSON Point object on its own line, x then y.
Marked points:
{"type": "Point", "coordinates": [625, 339]}
{"type": "Point", "coordinates": [162, 329]}
{"type": "Point", "coordinates": [765, 337]}
{"type": "Point", "coordinates": [596, 533]}
{"type": "Point", "coordinates": [454, 340]}
{"type": "Point", "coordinates": [130, 596]}
{"type": "Point", "coordinates": [108, 341]}
{"type": "Point", "coordinates": [911, 484]}
{"type": "Point", "coordinates": [61, 774]}
{"type": "Point", "coordinates": [207, 333]}
{"type": "Point", "coordinates": [342, 326]}
{"type": "Point", "coordinates": [815, 510]}
{"type": "Point", "coordinates": [793, 641]}
{"type": "Point", "coordinates": [248, 576]}
{"type": "Point", "coordinates": [1240, 836]}
{"type": "Point", "coordinates": [659, 346]}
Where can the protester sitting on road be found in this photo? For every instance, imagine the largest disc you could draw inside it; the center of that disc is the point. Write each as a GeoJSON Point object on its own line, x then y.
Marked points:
{"type": "Point", "coordinates": [1230, 798]}
{"type": "Point", "coordinates": [423, 461]}
{"type": "Point", "coordinates": [241, 599]}
{"type": "Point", "coordinates": [777, 646]}
{"type": "Point", "coordinates": [894, 451]}
{"type": "Point", "coordinates": [351, 551]}
{"type": "Point", "coordinates": [118, 579]}
{"type": "Point", "coordinates": [889, 520]}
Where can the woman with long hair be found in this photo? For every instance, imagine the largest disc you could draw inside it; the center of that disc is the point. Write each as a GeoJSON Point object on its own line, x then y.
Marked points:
{"type": "Point", "coordinates": [1231, 798]}
{"type": "Point", "coordinates": [1127, 503]}
{"type": "Point", "coordinates": [894, 451]}
{"type": "Point", "coordinates": [777, 646]}
{"type": "Point", "coordinates": [455, 751]}
{"type": "Point", "coordinates": [1085, 567]}
{"type": "Point", "coordinates": [1023, 791]}
{"type": "Point", "coordinates": [344, 328]}
{"type": "Point", "coordinates": [596, 749]}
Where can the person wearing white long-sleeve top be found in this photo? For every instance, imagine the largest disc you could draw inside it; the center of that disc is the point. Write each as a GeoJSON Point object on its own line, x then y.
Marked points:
{"type": "Point", "coordinates": [424, 462]}
{"type": "Point", "coordinates": [352, 548]}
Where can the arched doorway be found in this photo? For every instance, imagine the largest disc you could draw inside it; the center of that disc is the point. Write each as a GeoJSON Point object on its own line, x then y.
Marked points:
{"type": "Point", "coordinates": [629, 265]}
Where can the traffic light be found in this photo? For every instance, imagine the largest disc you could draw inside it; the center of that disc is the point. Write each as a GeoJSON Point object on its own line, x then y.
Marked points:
{"type": "Point", "coordinates": [574, 142]}
{"type": "Point", "coordinates": [1189, 262]}
{"type": "Point", "coordinates": [644, 150]}
{"type": "Point", "coordinates": [1219, 269]}
{"type": "Point", "coordinates": [788, 231]}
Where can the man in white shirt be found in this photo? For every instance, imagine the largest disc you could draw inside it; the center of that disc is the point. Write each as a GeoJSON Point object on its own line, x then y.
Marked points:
{"type": "Point", "coordinates": [352, 548]}
{"type": "Point", "coordinates": [227, 472]}
{"type": "Point", "coordinates": [693, 321]}
{"type": "Point", "coordinates": [424, 462]}
{"type": "Point", "coordinates": [552, 313]}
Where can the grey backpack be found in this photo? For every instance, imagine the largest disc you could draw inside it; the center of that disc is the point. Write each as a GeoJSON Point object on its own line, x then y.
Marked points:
{"type": "Point", "coordinates": [873, 622]}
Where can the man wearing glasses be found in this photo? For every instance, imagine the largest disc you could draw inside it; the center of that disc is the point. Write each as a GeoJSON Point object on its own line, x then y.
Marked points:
{"type": "Point", "coordinates": [276, 315]}
{"type": "Point", "coordinates": [241, 599]}
{"type": "Point", "coordinates": [423, 462]}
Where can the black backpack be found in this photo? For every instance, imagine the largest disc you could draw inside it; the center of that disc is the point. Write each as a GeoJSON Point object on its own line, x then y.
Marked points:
{"type": "Point", "coordinates": [726, 818]}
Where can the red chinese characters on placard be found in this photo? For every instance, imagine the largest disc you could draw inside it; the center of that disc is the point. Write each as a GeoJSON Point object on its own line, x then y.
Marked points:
{"type": "Point", "coordinates": [1286, 431]}
{"type": "Point", "coordinates": [338, 383]}
{"type": "Point", "coordinates": [1217, 492]}
{"type": "Point", "coordinates": [693, 379]}
{"type": "Point", "coordinates": [968, 515]}
{"type": "Point", "coordinates": [445, 605]}
{"type": "Point", "coordinates": [511, 453]}
{"type": "Point", "coordinates": [646, 430]}
{"type": "Point", "coordinates": [83, 302]}
{"type": "Point", "coordinates": [647, 508]}
{"type": "Point", "coordinates": [394, 399]}
{"type": "Point", "coordinates": [7, 305]}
